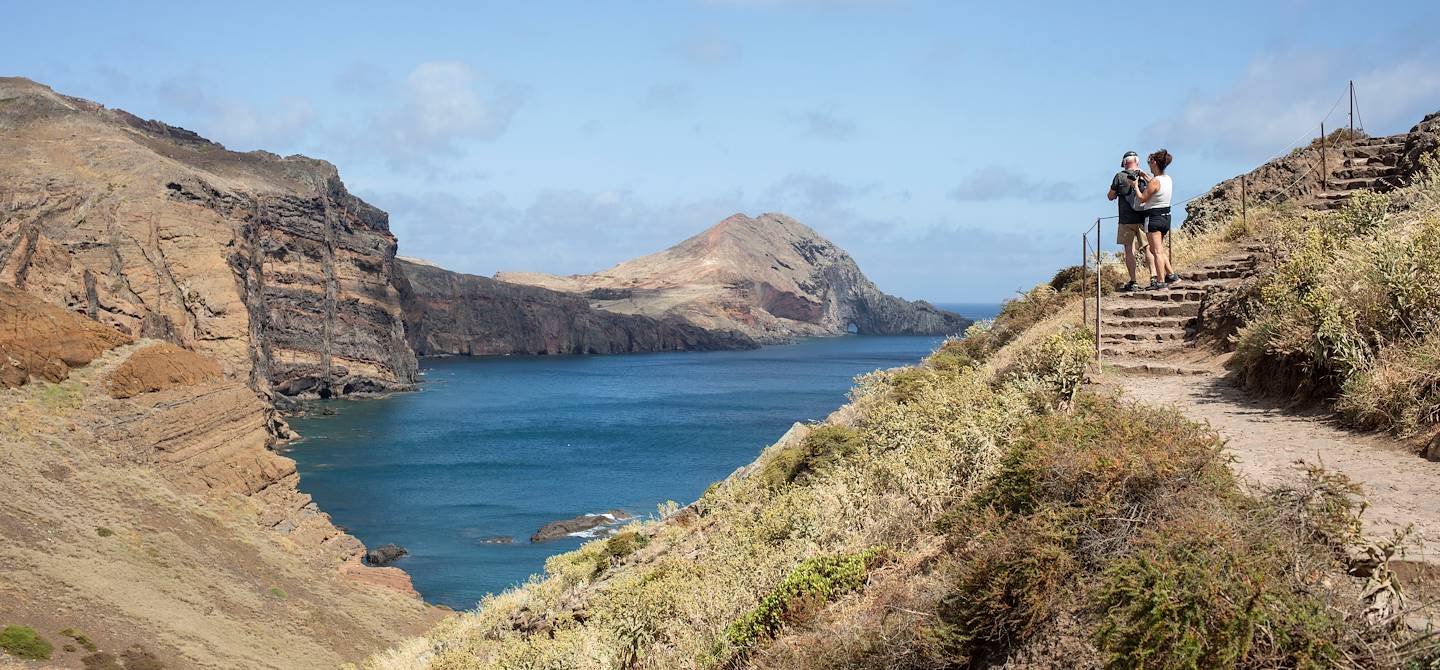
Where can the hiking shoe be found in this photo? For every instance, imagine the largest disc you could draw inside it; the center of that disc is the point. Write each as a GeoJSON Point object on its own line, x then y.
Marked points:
{"type": "Point", "coordinates": [1129, 287]}
{"type": "Point", "coordinates": [1155, 285]}
{"type": "Point", "coordinates": [1172, 278]}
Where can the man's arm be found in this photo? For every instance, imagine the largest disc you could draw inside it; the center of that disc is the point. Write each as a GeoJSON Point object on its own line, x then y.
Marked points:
{"type": "Point", "coordinates": [1111, 195]}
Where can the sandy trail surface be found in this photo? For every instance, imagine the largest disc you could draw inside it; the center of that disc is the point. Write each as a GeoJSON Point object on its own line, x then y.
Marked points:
{"type": "Point", "coordinates": [1267, 440]}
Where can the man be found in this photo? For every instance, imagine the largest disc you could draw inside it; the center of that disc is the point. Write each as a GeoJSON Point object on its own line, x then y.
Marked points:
{"type": "Point", "coordinates": [1123, 187]}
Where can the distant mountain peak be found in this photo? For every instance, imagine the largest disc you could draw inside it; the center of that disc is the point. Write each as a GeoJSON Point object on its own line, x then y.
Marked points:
{"type": "Point", "coordinates": [769, 276]}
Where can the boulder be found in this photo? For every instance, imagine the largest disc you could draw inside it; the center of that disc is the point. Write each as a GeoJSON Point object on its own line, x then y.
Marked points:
{"type": "Point", "coordinates": [385, 554]}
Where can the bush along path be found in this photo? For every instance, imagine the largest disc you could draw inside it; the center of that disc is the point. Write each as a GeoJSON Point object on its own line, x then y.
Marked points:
{"type": "Point", "coordinates": [1150, 351]}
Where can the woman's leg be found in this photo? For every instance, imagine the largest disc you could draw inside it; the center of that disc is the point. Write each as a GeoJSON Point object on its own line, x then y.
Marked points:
{"type": "Point", "coordinates": [1151, 257]}
{"type": "Point", "coordinates": [1160, 259]}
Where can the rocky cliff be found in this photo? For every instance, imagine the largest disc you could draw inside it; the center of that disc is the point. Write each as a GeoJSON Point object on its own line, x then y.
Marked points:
{"type": "Point", "coordinates": [146, 507]}
{"type": "Point", "coordinates": [770, 277]}
{"type": "Point", "coordinates": [266, 264]}
{"type": "Point", "coordinates": [452, 313]}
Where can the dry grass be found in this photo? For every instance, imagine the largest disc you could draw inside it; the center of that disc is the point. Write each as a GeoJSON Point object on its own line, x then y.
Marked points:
{"type": "Point", "coordinates": [99, 541]}
{"type": "Point", "coordinates": [1026, 523]}
{"type": "Point", "coordinates": [1350, 310]}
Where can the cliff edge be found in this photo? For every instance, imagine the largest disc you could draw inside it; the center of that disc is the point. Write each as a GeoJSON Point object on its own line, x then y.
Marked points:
{"type": "Point", "coordinates": [266, 264]}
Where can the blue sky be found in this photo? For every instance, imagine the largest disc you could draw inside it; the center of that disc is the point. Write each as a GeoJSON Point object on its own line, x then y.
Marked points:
{"type": "Point", "coordinates": [955, 149]}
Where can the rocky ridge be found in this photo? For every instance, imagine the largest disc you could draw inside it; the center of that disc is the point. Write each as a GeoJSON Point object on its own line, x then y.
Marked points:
{"type": "Point", "coordinates": [451, 313]}
{"type": "Point", "coordinates": [771, 278]}
{"type": "Point", "coordinates": [1322, 180]}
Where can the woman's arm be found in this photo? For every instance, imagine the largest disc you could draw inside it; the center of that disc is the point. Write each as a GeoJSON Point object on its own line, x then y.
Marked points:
{"type": "Point", "coordinates": [1150, 189]}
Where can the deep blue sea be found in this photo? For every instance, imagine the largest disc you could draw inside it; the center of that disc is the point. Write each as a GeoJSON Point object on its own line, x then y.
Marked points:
{"type": "Point", "coordinates": [501, 446]}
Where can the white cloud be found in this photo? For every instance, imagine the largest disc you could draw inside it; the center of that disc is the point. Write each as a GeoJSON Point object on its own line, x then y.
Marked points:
{"type": "Point", "coordinates": [673, 95]}
{"type": "Point", "coordinates": [282, 126]}
{"type": "Point", "coordinates": [708, 50]}
{"type": "Point", "coordinates": [1000, 183]}
{"type": "Point", "coordinates": [826, 126]}
{"type": "Point", "coordinates": [1281, 98]}
{"type": "Point", "coordinates": [443, 105]}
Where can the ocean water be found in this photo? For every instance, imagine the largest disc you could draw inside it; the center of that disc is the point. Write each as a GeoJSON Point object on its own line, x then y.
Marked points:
{"type": "Point", "coordinates": [503, 445]}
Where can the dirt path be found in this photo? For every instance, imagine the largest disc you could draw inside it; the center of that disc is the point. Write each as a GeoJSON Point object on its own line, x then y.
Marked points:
{"type": "Point", "coordinates": [1267, 440]}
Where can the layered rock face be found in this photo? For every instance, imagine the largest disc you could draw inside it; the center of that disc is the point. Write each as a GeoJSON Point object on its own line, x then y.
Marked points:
{"type": "Point", "coordinates": [265, 264]}
{"type": "Point", "coordinates": [770, 277]}
{"type": "Point", "coordinates": [145, 505]}
{"type": "Point", "coordinates": [449, 313]}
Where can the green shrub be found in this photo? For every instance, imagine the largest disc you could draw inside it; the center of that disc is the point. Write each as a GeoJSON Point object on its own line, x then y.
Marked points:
{"type": "Point", "coordinates": [104, 532]}
{"type": "Point", "coordinates": [79, 638]}
{"type": "Point", "coordinates": [1400, 392]}
{"type": "Point", "coordinates": [824, 447]}
{"type": "Point", "coordinates": [812, 584]}
{"type": "Point", "coordinates": [1349, 315]}
{"type": "Point", "coordinates": [1053, 370]}
{"type": "Point", "coordinates": [278, 593]}
{"type": "Point", "coordinates": [623, 544]}
{"type": "Point", "coordinates": [1010, 580]}
{"type": "Point", "coordinates": [1062, 502]}
{"type": "Point", "coordinates": [1363, 212]}
{"type": "Point", "coordinates": [909, 383]}
{"type": "Point", "coordinates": [24, 643]}
{"type": "Point", "coordinates": [1204, 595]}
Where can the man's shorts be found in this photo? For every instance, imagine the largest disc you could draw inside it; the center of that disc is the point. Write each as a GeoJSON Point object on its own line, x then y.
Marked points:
{"type": "Point", "coordinates": [1129, 234]}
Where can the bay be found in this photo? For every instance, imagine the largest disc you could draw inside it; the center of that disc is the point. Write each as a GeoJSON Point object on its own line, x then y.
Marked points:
{"type": "Point", "coordinates": [499, 446]}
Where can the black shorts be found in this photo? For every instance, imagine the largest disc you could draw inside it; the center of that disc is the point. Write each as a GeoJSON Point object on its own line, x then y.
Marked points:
{"type": "Point", "coordinates": [1157, 220]}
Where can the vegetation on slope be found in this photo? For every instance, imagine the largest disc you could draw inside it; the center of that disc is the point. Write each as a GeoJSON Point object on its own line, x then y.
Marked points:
{"type": "Point", "coordinates": [1350, 310]}
{"type": "Point", "coordinates": [979, 509]}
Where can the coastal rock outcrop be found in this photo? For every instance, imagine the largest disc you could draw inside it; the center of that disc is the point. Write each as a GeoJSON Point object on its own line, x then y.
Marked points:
{"type": "Point", "coordinates": [769, 277]}
{"type": "Point", "coordinates": [459, 314]}
{"type": "Point", "coordinates": [385, 554]}
{"type": "Point", "coordinates": [265, 264]}
{"type": "Point", "coordinates": [585, 522]}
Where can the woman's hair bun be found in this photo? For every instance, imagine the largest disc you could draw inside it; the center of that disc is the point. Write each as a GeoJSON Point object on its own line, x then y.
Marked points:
{"type": "Point", "coordinates": [1162, 158]}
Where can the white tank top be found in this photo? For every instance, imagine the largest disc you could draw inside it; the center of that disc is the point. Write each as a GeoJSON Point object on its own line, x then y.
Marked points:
{"type": "Point", "coordinates": [1162, 195]}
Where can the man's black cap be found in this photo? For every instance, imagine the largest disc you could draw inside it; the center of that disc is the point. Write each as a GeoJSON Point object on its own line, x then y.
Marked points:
{"type": "Point", "coordinates": [1129, 154]}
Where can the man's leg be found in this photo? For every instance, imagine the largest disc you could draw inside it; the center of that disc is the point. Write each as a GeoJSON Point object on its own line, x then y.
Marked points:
{"type": "Point", "coordinates": [1130, 259]}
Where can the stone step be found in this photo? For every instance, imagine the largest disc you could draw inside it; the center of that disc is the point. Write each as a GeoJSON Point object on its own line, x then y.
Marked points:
{"type": "Point", "coordinates": [1143, 367]}
{"type": "Point", "coordinates": [1181, 294]}
{"type": "Point", "coordinates": [1120, 323]}
{"type": "Point", "coordinates": [1398, 140]}
{"type": "Point", "coordinates": [1141, 335]}
{"type": "Point", "coordinates": [1367, 172]}
{"type": "Point", "coordinates": [1354, 184]}
{"type": "Point", "coordinates": [1218, 273]}
{"type": "Point", "coordinates": [1380, 152]}
{"type": "Point", "coordinates": [1141, 310]}
{"type": "Point", "coordinates": [1138, 349]}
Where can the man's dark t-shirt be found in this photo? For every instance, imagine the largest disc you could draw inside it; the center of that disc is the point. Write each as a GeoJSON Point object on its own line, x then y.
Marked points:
{"type": "Point", "coordinates": [1124, 187]}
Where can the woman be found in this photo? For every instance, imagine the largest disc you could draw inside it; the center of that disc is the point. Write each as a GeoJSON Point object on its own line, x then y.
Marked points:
{"type": "Point", "coordinates": [1155, 200]}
